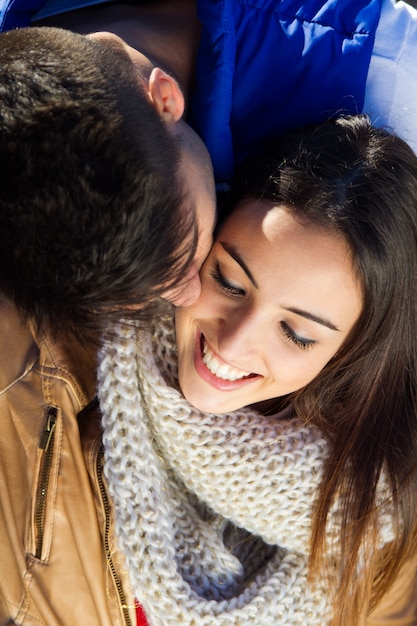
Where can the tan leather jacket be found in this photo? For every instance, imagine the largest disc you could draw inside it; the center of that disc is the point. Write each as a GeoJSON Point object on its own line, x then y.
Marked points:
{"type": "Point", "coordinates": [58, 562]}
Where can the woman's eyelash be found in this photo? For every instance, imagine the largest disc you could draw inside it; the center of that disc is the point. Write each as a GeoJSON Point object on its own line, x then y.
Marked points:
{"type": "Point", "coordinates": [222, 282]}
{"type": "Point", "coordinates": [226, 287]}
{"type": "Point", "coordinates": [304, 344]}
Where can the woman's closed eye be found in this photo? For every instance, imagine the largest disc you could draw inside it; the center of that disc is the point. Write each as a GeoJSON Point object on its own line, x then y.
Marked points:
{"type": "Point", "coordinates": [301, 342]}
{"type": "Point", "coordinates": [225, 286]}
{"type": "Point", "coordinates": [229, 289]}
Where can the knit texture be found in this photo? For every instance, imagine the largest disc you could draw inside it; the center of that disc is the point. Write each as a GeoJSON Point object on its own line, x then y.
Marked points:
{"type": "Point", "coordinates": [213, 512]}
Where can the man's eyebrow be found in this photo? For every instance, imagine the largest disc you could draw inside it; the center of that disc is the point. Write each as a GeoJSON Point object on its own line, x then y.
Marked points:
{"type": "Point", "coordinates": [236, 257]}
{"type": "Point", "coordinates": [313, 318]}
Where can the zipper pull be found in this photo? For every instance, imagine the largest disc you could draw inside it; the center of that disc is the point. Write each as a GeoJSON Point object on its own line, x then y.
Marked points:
{"type": "Point", "coordinates": [46, 437]}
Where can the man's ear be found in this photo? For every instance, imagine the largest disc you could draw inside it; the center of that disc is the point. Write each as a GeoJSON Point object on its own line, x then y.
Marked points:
{"type": "Point", "coordinates": [166, 96]}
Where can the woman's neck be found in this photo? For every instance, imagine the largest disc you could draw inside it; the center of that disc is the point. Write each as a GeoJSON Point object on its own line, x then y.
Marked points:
{"type": "Point", "coordinates": [167, 32]}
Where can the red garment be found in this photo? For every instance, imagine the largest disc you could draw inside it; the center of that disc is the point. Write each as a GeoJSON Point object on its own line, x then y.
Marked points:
{"type": "Point", "coordinates": [140, 615]}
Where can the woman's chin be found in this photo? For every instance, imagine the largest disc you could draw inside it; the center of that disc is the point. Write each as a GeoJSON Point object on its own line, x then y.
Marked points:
{"type": "Point", "coordinates": [210, 405]}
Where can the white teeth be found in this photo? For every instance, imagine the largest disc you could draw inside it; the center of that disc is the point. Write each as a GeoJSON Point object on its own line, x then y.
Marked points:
{"type": "Point", "coordinates": [221, 370]}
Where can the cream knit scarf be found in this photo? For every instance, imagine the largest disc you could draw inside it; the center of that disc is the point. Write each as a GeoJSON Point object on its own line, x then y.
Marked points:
{"type": "Point", "coordinates": [213, 512]}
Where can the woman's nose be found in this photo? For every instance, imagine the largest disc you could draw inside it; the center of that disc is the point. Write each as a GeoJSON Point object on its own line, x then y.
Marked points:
{"type": "Point", "coordinates": [241, 334]}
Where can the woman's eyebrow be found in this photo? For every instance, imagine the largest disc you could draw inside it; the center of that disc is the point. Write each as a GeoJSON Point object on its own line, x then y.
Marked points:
{"type": "Point", "coordinates": [313, 318]}
{"type": "Point", "coordinates": [306, 314]}
{"type": "Point", "coordinates": [236, 257]}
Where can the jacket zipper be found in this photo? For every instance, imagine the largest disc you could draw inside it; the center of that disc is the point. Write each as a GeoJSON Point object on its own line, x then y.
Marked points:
{"type": "Point", "coordinates": [46, 444]}
{"type": "Point", "coordinates": [107, 550]}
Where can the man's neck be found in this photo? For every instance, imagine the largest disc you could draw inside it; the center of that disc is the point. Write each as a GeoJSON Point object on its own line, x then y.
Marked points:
{"type": "Point", "coordinates": [167, 32]}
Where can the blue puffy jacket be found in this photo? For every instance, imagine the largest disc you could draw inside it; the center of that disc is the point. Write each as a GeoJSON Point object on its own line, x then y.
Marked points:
{"type": "Point", "coordinates": [266, 66]}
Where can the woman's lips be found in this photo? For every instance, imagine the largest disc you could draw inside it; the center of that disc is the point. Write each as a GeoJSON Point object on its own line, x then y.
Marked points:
{"type": "Point", "coordinates": [213, 370]}
{"type": "Point", "coordinates": [217, 366]}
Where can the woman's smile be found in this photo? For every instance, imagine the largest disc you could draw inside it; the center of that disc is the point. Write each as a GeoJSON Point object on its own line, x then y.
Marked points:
{"type": "Point", "coordinates": [216, 371]}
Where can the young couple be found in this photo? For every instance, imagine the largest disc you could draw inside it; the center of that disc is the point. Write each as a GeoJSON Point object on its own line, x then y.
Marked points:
{"type": "Point", "coordinates": [183, 538]}
{"type": "Point", "coordinates": [190, 508]}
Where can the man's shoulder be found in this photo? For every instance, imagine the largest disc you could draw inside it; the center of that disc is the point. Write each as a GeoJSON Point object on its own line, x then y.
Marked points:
{"type": "Point", "coordinates": [18, 350]}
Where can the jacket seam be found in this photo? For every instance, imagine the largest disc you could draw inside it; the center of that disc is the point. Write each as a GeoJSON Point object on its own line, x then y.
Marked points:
{"type": "Point", "coordinates": [61, 374]}
{"type": "Point", "coordinates": [306, 20]}
{"type": "Point", "coordinates": [17, 380]}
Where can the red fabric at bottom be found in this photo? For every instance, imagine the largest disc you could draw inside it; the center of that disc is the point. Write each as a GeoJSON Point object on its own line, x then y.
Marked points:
{"type": "Point", "coordinates": [140, 615]}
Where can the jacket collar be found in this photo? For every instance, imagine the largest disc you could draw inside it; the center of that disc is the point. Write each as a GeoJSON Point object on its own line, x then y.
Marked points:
{"type": "Point", "coordinates": [21, 349]}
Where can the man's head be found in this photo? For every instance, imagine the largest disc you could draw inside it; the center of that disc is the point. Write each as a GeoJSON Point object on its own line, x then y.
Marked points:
{"type": "Point", "coordinates": [195, 171]}
{"type": "Point", "coordinates": [96, 212]}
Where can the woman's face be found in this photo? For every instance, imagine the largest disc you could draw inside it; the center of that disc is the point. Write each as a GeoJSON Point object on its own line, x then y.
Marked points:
{"type": "Point", "coordinates": [278, 299]}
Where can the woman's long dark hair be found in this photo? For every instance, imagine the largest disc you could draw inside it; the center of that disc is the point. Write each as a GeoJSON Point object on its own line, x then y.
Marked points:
{"type": "Point", "coordinates": [361, 182]}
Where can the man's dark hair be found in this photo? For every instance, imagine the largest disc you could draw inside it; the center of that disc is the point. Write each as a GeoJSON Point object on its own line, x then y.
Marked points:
{"type": "Point", "coordinates": [92, 212]}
